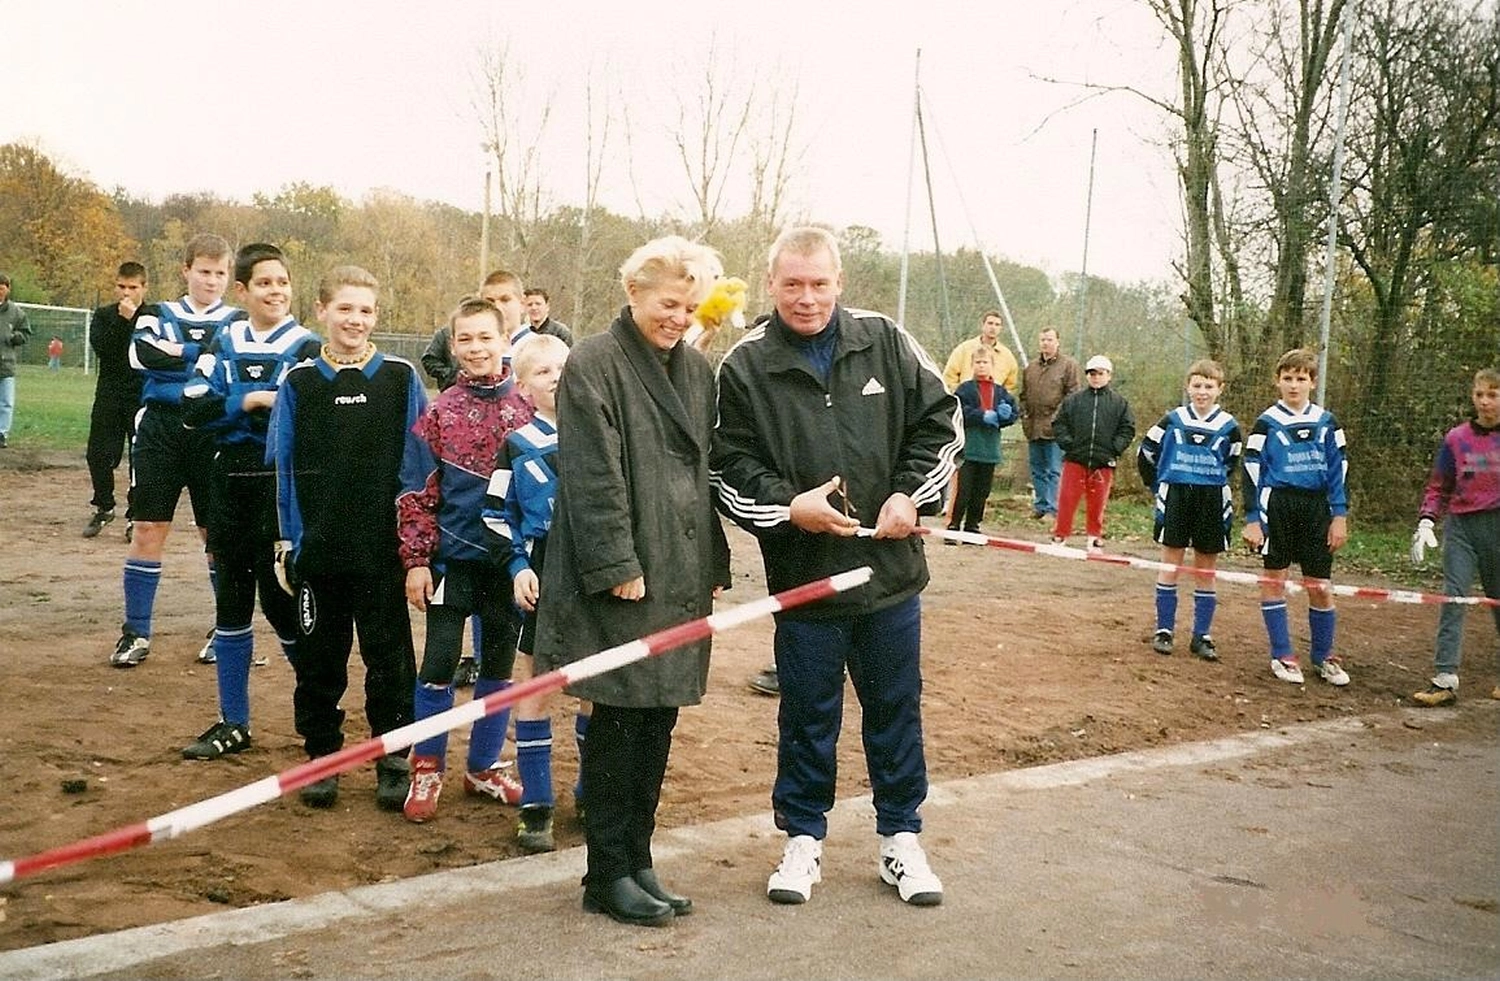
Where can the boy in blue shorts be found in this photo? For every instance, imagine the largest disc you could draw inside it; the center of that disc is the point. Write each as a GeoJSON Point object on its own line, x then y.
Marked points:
{"type": "Point", "coordinates": [1296, 511]}
{"type": "Point", "coordinates": [166, 456]}
{"type": "Point", "coordinates": [451, 570]}
{"type": "Point", "coordinates": [518, 512]}
{"type": "Point", "coordinates": [1464, 486]}
{"type": "Point", "coordinates": [337, 434]}
{"type": "Point", "coordinates": [1186, 461]}
{"type": "Point", "coordinates": [231, 397]}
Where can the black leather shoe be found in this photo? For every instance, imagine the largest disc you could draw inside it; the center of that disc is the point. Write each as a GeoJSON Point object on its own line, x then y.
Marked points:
{"type": "Point", "coordinates": [324, 793]}
{"type": "Point", "coordinates": [626, 902]}
{"type": "Point", "coordinates": [646, 879]}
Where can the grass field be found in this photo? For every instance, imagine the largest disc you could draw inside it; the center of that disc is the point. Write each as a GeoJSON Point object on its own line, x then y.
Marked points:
{"type": "Point", "coordinates": [52, 413]}
{"type": "Point", "coordinates": [52, 408]}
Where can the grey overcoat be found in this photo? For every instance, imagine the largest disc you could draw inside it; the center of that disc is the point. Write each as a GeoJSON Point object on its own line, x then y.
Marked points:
{"type": "Point", "coordinates": [632, 500]}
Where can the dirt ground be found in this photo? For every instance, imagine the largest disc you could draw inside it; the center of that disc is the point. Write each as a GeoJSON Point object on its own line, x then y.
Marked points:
{"type": "Point", "coordinates": [1027, 659]}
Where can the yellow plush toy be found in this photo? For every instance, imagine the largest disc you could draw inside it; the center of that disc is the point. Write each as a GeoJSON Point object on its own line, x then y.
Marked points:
{"type": "Point", "coordinates": [724, 303]}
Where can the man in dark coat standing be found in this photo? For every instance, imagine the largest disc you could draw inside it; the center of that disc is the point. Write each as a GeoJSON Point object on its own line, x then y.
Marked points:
{"type": "Point", "coordinates": [831, 419]}
{"type": "Point", "coordinates": [117, 393]}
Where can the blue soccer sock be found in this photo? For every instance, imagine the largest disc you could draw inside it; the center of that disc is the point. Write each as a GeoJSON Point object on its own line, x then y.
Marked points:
{"type": "Point", "coordinates": [1205, 602]}
{"type": "Point", "coordinates": [1320, 624]}
{"type": "Point", "coordinates": [141, 579]}
{"type": "Point", "coordinates": [1166, 606]}
{"type": "Point", "coordinates": [430, 700]}
{"type": "Point", "coordinates": [581, 736]}
{"type": "Point", "coordinates": [534, 761]}
{"type": "Point", "coordinates": [1273, 612]}
{"type": "Point", "coordinates": [487, 737]}
{"type": "Point", "coordinates": [234, 646]}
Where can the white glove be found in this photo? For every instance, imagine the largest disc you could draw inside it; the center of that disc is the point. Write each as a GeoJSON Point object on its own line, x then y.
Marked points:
{"type": "Point", "coordinates": [285, 574]}
{"type": "Point", "coordinates": [1422, 539]}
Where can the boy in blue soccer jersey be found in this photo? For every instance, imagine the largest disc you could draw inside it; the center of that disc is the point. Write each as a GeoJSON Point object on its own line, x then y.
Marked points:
{"type": "Point", "coordinates": [518, 511]}
{"type": "Point", "coordinates": [231, 396]}
{"type": "Point", "coordinates": [1296, 511]}
{"type": "Point", "coordinates": [166, 456]}
{"type": "Point", "coordinates": [1186, 461]}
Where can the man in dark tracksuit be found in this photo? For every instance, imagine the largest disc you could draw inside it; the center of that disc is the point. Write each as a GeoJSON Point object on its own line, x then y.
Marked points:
{"type": "Point", "coordinates": [830, 419]}
{"type": "Point", "coordinates": [117, 392]}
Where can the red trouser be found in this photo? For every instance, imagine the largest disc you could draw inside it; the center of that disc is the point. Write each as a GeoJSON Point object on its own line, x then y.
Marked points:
{"type": "Point", "coordinates": [1079, 481]}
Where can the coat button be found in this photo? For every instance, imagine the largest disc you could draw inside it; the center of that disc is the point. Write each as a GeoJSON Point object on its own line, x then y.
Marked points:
{"type": "Point", "coordinates": [691, 533]}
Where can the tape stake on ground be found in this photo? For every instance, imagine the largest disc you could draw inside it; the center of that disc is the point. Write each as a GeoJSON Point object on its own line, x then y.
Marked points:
{"type": "Point", "coordinates": [1225, 575]}
{"type": "Point", "coordinates": [185, 819]}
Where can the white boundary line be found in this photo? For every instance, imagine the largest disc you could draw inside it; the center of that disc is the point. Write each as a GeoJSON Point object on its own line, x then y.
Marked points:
{"type": "Point", "coordinates": [125, 949]}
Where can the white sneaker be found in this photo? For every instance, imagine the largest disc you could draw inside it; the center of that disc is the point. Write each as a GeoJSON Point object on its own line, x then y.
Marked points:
{"type": "Point", "coordinates": [1096, 545]}
{"type": "Point", "coordinates": [1332, 672]}
{"type": "Point", "coordinates": [801, 867]}
{"type": "Point", "coordinates": [903, 864]}
{"type": "Point", "coordinates": [1288, 671]}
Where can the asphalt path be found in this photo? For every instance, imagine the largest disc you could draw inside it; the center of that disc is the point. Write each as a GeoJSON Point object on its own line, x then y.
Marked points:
{"type": "Point", "coordinates": [1359, 848]}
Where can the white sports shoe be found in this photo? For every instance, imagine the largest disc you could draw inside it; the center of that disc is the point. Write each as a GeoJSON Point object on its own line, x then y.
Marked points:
{"type": "Point", "coordinates": [1287, 671]}
{"type": "Point", "coordinates": [903, 864]}
{"type": "Point", "coordinates": [801, 867]}
{"type": "Point", "coordinates": [1332, 672]}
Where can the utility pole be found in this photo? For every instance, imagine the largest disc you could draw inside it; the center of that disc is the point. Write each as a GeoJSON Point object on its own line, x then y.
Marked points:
{"type": "Point", "coordinates": [1335, 191]}
{"type": "Point", "coordinates": [484, 231]}
{"type": "Point", "coordinates": [911, 166]}
{"type": "Point", "coordinates": [1088, 215]}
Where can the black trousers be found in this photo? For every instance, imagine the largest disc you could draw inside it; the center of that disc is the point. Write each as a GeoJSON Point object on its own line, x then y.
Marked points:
{"type": "Point", "coordinates": [623, 770]}
{"type": "Point", "coordinates": [974, 483]}
{"type": "Point", "coordinates": [241, 537]}
{"type": "Point", "coordinates": [111, 426]}
{"type": "Point", "coordinates": [331, 607]}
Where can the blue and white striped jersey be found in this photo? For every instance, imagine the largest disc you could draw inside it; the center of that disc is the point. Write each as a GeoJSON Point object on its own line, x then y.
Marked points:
{"type": "Point", "coordinates": [174, 322]}
{"type": "Point", "coordinates": [1185, 449]}
{"type": "Point", "coordinates": [1303, 450]}
{"type": "Point", "coordinates": [240, 361]}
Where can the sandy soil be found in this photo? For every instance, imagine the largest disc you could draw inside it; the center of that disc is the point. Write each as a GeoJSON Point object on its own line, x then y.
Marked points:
{"type": "Point", "coordinates": [1028, 659]}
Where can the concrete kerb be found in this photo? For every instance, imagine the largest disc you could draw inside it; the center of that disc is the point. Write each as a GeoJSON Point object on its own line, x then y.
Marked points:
{"type": "Point", "coordinates": [123, 949]}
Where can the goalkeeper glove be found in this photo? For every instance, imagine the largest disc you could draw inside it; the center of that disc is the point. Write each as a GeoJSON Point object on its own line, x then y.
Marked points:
{"type": "Point", "coordinates": [1422, 539]}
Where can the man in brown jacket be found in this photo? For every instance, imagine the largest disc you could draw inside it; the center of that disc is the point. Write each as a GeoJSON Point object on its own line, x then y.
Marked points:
{"type": "Point", "coordinates": [1047, 380]}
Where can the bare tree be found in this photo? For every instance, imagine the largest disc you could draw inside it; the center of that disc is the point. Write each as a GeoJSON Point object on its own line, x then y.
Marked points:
{"type": "Point", "coordinates": [1425, 155]}
{"type": "Point", "coordinates": [1283, 105]}
{"type": "Point", "coordinates": [596, 151]}
{"type": "Point", "coordinates": [513, 122]}
{"type": "Point", "coordinates": [708, 131]}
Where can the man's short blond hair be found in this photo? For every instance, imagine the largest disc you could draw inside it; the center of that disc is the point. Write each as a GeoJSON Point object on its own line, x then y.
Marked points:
{"type": "Point", "coordinates": [804, 240]}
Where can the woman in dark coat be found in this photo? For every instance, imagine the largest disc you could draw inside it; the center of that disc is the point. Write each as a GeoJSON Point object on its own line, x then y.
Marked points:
{"type": "Point", "coordinates": [635, 546]}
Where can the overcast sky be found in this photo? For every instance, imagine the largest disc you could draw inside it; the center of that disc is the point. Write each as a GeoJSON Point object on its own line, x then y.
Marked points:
{"type": "Point", "coordinates": [167, 96]}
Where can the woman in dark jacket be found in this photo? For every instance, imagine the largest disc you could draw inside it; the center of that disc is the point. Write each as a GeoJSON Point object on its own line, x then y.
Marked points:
{"type": "Point", "coordinates": [635, 547]}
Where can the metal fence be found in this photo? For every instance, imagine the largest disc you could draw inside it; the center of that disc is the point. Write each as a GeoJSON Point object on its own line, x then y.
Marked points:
{"type": "Point", "coordinates": [71, 326]}
{"type": "Point", "coordinates": [68, 324]}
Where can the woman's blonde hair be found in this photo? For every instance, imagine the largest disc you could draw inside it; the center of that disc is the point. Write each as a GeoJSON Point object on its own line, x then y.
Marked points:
{"type": "Point", "coordinates": [672, 258]}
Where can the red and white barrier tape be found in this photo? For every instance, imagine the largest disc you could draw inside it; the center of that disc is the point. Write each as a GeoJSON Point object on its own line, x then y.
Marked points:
{"type": "Point", "coordinates": [179, 822]}
{"type": "Point", "coordinates": [1250, 578]}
